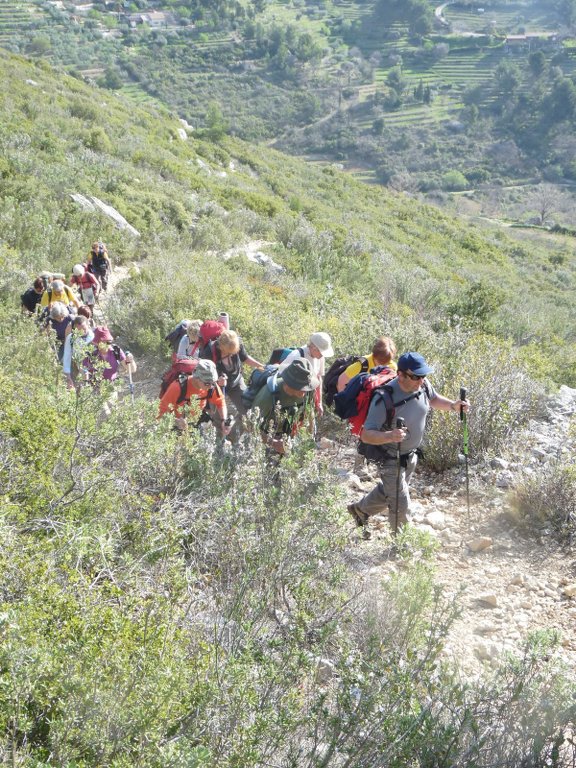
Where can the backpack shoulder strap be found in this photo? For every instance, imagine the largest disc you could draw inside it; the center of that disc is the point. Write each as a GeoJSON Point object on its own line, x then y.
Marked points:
{"type": "Point", "coordinates": [272, 383]}
{"type": "Point", "coordinates": [363, 364]}
{"type": "Point", "coordinates": [183, 381]}
{"type": "Point", "coordinates": [301, 350]}
{"type": "Point", "coordinates": [384, 393]}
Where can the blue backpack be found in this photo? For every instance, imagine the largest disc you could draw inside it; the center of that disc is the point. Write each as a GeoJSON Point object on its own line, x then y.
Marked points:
{"type": "Point", "coordinates": [258, 379]}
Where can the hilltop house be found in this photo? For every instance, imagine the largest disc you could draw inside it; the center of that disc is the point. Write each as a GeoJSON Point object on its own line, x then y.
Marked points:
{"type": "Point", "coordinates": [531, 41]}
{"type": "Point", "coordinates": [83, 8]}
{"type": "Point", "coordinates": [154, 19]}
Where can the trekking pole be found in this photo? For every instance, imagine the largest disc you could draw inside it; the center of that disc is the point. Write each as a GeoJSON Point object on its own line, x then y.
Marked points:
{"type": "Point", "coordinates": [464, 420]}
{"type": "Point", "coordinates": [130, 382]}
{"type": "Point", "coordinates": [400, 424]}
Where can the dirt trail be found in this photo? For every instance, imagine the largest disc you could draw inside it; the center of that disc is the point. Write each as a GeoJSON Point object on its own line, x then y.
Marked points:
{"type": "Point", "coordinates": [509, 582]}
{"type": "Point", "coordinates": [510, 585]}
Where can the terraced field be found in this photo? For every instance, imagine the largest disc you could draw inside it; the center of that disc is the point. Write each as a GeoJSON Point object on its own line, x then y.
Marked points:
{"type": "Point", "coordinates": [134, 93]}
{"type": "Point", "coordinates": [17, 18]}
{"type": "Point", "coordinates": [507, 17]}
{"type": "Point", "coordinates": [467, 68]}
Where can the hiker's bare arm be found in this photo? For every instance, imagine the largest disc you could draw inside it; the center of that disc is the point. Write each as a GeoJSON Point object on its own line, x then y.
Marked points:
{"type": "Point", "coordinates": [253, 363]}
{"type": "Point", "coordinates": [342, 381]}
{"type": "Point", "coordinates": [441, 403]}
{"type": "Point", "coordinates": [376, 437]}
{"type": "Point", "coordinates": [129, 364]}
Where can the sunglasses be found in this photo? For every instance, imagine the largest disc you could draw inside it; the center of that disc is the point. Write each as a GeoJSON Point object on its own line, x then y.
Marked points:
{"type": "Point", "coordinates": [413, 376]}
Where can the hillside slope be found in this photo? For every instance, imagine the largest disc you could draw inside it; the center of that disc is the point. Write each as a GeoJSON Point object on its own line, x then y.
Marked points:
{"type": "Point", "coordinates": [197, 194]}
{"type": "Point", "coordinates": [167, 601]}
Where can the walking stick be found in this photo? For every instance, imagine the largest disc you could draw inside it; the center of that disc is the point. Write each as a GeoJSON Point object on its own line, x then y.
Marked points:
{"type": "Point", "coordinates": [464, 420]}
{"type": "Point", "coordinates": [131, 385]}
{"type": "Point", "coordinates": [400, 423]}
{"type": "Point", "coordinates": [130, 382]}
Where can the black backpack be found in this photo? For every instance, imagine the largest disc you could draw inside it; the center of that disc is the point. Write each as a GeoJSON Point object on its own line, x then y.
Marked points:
{"type": "Point", "coordinates": [173, 338]}
{"type": "Point", "coordinates": [280, 354]}
{"type": "Point", "coordinates": [98, 259]}
{"type": "Point", "coordinates": [330, 382]}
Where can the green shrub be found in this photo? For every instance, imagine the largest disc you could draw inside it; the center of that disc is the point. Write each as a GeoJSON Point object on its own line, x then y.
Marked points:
{"type": "Point", "coordinates": [454, 181]}
{"type": "Point", "coordinates": [547, 500]}
{"type": "Point", "coordinates": [503, 393]}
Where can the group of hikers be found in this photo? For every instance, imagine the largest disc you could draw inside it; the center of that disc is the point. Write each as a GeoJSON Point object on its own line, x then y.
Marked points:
{"type": "Point", "coordinates": [85, 350]}
{"type": "Point", "coordinates": [385, 400]}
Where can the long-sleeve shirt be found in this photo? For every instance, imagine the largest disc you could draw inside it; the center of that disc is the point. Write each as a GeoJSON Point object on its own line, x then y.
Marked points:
{"type": "Point", "coordinates": [76, 349]}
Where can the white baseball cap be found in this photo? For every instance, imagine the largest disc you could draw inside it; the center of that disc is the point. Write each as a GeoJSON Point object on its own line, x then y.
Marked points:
{"type": "Point", "coordinates": [323, 342]}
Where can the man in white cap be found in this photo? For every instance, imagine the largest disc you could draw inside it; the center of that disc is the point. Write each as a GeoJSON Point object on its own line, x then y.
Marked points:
{"type": "Point", "coordinates": [318, 348]}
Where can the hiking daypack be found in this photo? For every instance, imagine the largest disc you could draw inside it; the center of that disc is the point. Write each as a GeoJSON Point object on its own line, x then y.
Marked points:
{"type": "Point", "coordinates": [181, 368]}
{"type": "Point", "coordinates": [259, 378]}
{"type": "Point", "coordinates": [67, 294]}
{"type": "Point", "coordinates": [353, 402]}
{"type": "Point", "coordinates": [330, 382]}
{"type": "Point", "coordinates": [379, 453]}
{"type": "Point", "coordinates": [281, 353]}
{"type": "Point", "coordinates": [98, 258]}
{"type": "Point", "coordinates": [210, 330]}
{"type": "Point", "coordinates": [173, 338]}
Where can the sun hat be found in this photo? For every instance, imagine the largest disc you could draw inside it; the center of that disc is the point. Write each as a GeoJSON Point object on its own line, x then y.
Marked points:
{"type": "Point", "coordinates": [78, 270]}
{"type": "Point", "coordinates": [323, 342]}
{"type": "Point", "coordinates": [102, 334]}
{"type": "Point", "coordinates": [299, 375]}
{"type": "Point", "coordinates": [206, 372]}
{"type": "Point", "coordinates": [414, 362]}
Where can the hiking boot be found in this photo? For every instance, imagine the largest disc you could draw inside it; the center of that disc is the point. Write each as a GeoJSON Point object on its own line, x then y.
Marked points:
{"type": "Point", "coordinates": [360, 517]}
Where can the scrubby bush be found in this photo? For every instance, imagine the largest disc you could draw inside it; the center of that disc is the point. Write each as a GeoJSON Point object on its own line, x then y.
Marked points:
{"type": "Point", "coordinates": [547, 500]}
{"type": "Point", "coordinates": [501, 389]}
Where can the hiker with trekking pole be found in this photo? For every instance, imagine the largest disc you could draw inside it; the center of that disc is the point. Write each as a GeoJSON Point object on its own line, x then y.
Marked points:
{"type": "Point", "coordinates": [391, 435]}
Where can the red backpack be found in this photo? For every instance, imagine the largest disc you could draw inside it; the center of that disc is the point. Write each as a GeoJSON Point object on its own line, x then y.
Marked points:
{"type": "Point", "coordinates": [353, 402]}
{"type": "Point", "coordinates": [210, 330]}
{"type": "Point", "coordinates": [183, 368]}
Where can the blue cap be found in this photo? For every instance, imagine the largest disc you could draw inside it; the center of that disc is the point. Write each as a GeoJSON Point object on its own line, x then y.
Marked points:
{"type": "Point", "coordinates": [414, 362]}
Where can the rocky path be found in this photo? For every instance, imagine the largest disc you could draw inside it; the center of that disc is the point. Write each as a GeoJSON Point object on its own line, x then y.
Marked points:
{"type": "Point", "coordinates": [510, 582]}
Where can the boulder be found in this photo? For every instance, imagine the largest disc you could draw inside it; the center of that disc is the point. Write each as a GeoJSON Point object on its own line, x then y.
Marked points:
{"type": "Point", "coordinates": [488, 599]}
{"type": "Point", "coordinates": [436, 520]}
{"type": "Point", "coordinates": [479, 544]}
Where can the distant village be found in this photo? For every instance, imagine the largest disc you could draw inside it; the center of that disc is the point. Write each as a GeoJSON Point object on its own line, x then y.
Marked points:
{"type": "Point", "coordinates": [158, 19]}
{"type": "Point", "coordinates": [123, 13]}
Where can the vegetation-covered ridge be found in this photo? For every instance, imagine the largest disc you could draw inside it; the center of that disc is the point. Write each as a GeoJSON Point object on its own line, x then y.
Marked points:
{"type": "Point", "coordinates": [360, 256]}
{"type": "Point", "coordinates": [162, 604]}
{"type": "Point", "coordinates": [427, 102]}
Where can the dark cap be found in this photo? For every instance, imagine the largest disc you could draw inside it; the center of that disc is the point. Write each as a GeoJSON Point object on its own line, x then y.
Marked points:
{"type": "Point", "coordinates": [414, 362]}
{"type": "Point", "coordinates": [299, 375]}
